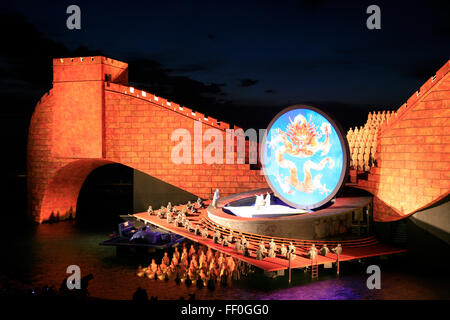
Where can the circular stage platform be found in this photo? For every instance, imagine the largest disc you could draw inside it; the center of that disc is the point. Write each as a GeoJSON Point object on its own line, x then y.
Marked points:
{"type": "Point", "coordinates": [347, 217]}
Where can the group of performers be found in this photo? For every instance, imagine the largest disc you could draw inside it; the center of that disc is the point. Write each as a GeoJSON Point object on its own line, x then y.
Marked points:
{"type": "Point", "coordinates": [241, 244]}
{"type": "Point", "coordinates": [262, 251]}
{"type": "Point", "coordinates": [202, 266]}
{"type": "Point", "coordinates": [178, 217]}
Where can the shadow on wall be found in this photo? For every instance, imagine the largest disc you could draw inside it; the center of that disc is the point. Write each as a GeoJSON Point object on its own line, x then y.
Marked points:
{"type": "Point", "coordinates": [148, 190]}
{"type": "Point", "coordinates": [426, 235]}
{"type": "Point", "coordinates": [435, 219]}
{"type": "Point", "coordinates": [114, 189]}
{"type": "Point", "coordinates": [429, 235]}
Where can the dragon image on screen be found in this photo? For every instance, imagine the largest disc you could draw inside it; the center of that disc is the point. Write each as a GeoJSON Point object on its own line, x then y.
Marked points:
{"type": "Point", "coordinates": [304, 157]}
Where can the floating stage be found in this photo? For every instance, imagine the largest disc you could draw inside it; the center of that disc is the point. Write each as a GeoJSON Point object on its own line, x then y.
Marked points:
{"type": "Point", "coordinates": [353, 248]}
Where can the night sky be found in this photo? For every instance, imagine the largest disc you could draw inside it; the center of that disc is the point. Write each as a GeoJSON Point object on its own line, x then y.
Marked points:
{"type": "Point", "coordinates": [239, 62]}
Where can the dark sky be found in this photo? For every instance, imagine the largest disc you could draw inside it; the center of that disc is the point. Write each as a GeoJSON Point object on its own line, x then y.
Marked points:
{"type": "Point", "coordinates": [240, 61]}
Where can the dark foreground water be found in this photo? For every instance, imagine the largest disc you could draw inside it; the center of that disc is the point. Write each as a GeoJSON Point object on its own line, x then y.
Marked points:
{"type": "Point", "coordinates": [39, 256]}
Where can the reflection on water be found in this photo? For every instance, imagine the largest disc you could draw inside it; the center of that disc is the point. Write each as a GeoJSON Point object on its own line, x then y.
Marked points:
{"type": "Point", "coordinates": [40, 256]}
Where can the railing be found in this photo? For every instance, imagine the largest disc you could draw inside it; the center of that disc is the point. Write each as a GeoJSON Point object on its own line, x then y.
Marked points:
{"type": "Point", "coordinates": [251, 237]}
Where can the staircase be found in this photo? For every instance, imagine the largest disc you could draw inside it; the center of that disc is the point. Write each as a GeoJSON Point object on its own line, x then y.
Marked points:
{"type": "Point", "coordinates": [400, 233]}
{"type": "Point", "coordinates": [314, 269]}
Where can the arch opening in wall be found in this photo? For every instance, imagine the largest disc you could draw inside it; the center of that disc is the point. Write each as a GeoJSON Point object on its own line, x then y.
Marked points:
{"type": "Point", "coordinates": [106, 194]}
{"type": "Point", "coordinates": [61, 194]}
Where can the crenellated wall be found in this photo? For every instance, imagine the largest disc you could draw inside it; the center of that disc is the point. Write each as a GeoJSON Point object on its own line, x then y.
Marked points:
{"type": "Point", "coordinates": [85, 122]}
{"type": "Point", "coordinates": [413, 153]}
{"type": "Point", "coordinates": [91, 117]}
{"type": "Point", "coordinates": [138, 134]}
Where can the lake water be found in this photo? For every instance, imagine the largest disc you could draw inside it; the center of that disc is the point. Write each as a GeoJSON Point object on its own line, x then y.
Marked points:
{"type": "Point", "coordinates": [39, 255]}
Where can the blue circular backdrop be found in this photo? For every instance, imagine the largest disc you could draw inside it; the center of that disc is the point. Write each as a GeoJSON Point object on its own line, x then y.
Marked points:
{"type": "Point", "coordinates": [305, 157]}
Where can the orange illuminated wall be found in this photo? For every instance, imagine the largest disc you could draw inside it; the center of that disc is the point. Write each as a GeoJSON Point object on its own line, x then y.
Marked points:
{"type": "Point", "coordinates": [78, 123]}
{"type": "Point", "coordinates": [413, 153]}
{"type": "Point", "coordinates": [91, 117]}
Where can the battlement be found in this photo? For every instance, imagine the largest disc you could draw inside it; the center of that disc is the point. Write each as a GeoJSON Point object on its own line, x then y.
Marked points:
{"type": "Point", "coordinates": [415, 97]}
{"type": "Point", "coordinates": [412, 152]}
{"type": "Point", "coordinates": [97, 68]}
{"type": "Point", "coordinates": [92, 117]}
{"type": "Point", "coordinates": [185, 111]}
{"type": "Point", "coordinates": [90, 60]}
{"type": "Point", "coordinates": [378, 122]}
{"type": "Point", "coordinates": [114, 74]}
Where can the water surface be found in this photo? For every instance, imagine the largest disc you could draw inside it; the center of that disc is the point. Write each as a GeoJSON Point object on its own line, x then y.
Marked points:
{"type": "Point", "coordinates": [39, 256]}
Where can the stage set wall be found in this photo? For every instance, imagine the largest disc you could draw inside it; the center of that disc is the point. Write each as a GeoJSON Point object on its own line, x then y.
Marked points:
{"type": "Point", "coordinates": [413, 153]}
{"type": "Point", "coordinates": [91, 117]}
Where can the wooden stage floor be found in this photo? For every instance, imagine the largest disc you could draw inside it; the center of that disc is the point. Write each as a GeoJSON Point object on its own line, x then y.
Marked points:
{"type": "Point", "coordinates": [269, 264]}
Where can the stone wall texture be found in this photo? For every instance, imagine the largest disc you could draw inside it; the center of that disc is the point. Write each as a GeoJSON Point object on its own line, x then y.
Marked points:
{"type": "Point", "coordinates": [413, 153]}
{"type": "Point", "coordinates": [91, 117]}
{"type": "Point", "coordinates": [85, 122]}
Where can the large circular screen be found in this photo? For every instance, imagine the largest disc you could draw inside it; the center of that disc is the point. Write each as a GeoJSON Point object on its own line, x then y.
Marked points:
{"type": "Point", "coordinates": [305, 157]}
